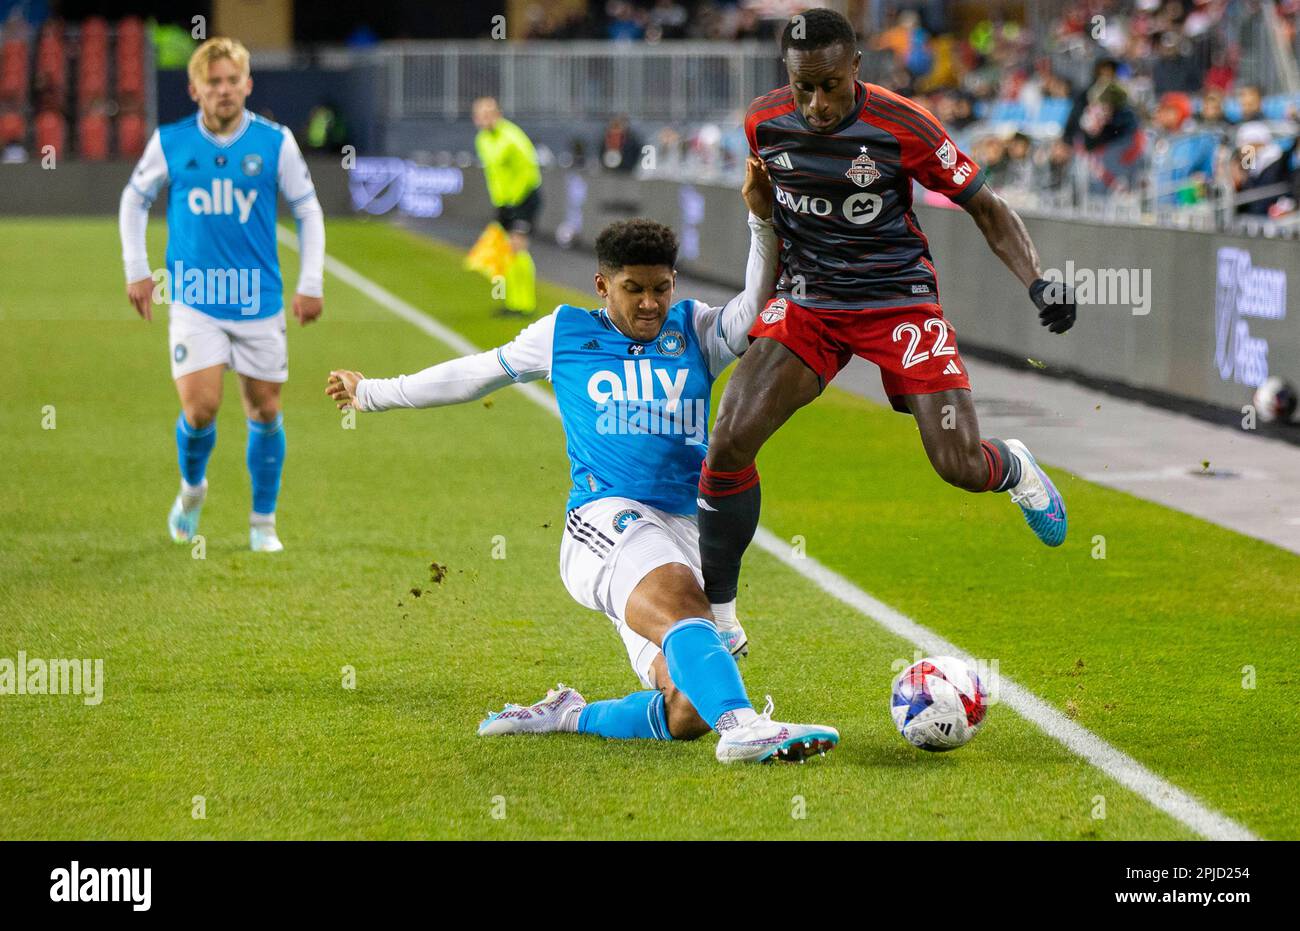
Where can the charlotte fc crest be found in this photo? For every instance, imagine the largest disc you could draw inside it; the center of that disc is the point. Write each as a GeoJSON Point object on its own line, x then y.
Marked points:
{"type": "Point", "coordinates": [863, 171]}
{"type": "Point", "coordinates": [672, 343]}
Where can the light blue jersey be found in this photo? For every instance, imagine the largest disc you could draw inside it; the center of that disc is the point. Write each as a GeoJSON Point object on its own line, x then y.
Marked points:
{"type": "Point", "coordinates": [636, 414]}
{"type": "Point", "coordinates": [221, 237]}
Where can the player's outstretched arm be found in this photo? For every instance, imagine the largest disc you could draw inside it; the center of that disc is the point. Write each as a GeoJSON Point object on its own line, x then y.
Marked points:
{"type": "Point", "coordinates": [525, 358]}
{"type": "Point", "coordinates": [454, 382]}
{"type": "Point", "coordinates": [1010, 242]}
{"type": "Point", "coordinates": [724, 331]}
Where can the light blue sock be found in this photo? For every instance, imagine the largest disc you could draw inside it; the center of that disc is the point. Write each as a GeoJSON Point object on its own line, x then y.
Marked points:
{"type": "Point", "coordinates": [265, 460]}
{"type": "Point", "coordinates": [703, 669]}
{"type": "Point", "coordinates": [193, 448]}
{"type": "Point", "coordinates": [640, 714]}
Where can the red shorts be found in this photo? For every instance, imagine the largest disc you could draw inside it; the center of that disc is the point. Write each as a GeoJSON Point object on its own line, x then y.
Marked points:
{"type": "Point", "coordinates": [914, 347]}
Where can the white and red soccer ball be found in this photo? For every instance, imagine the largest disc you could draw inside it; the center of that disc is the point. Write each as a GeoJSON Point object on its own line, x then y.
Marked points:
{"type": "Point", "coordinates": [1275, 400]}
{"type": "Point", "coordinates": [938, 703]}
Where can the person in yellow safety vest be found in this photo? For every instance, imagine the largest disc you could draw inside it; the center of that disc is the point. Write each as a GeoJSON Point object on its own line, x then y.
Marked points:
{"type": "Point", "coordinates": [514, 184]}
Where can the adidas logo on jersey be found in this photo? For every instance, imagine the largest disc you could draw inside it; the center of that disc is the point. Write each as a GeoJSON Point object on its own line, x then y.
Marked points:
{"type": "Point", "coordinates": [591, 344]}
{"type": "Point", "coordinates": [783, 161]}
{"type": "Point", "coordinates": [951, 368]}
{"type": "Point", "coordinates": [224, 198]}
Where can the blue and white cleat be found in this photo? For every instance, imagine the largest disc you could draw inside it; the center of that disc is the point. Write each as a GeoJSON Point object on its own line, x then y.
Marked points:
{"type": "Point", "coordinates": [262, 538]}
{"type": "Point", "coordinates": [763, 740]}
{"type": "Point", "coordinates": [1043, 505]}
{"type": "Point", "coordinates": [557, 712]}
{"type": "Point", "coordinates": [183, 521]}
{"type": "Point", "coordinates": [733, 638]}
{"type": "Point", "coordinates": [729, 629]}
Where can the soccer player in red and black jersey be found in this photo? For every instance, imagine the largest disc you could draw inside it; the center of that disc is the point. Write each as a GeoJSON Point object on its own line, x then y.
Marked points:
{"type": "Point", "coordinates": [856, 279]}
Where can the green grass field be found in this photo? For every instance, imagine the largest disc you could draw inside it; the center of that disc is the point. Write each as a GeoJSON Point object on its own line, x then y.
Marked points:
{"type": "Point", "coordinates": [224, 675]}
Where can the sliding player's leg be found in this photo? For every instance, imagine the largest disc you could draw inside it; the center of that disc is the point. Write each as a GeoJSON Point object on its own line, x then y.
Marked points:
{"type": "Point", "coordinates": [259, 353]}
{"type": "Point", "coordinates": [640, 566]}
{"type": "Point", "coordinates": [668, 607]}
{"type": "Point", "coordinates": [660, 712]}
{"type": "Point", "coordinates": [602, 572]}
{"type": "Point", "coordinates": [769, 384]}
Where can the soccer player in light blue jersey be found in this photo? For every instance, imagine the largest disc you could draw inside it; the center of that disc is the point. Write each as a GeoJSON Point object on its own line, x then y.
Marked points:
{"type": "Point", "coordinates": [632, 381]}
{"type": "Point", "coordinates": [226, 167]}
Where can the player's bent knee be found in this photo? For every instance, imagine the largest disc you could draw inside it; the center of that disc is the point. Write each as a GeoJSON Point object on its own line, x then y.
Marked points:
{"type": "Point", "coordinates": [729, 451]}
{"type": "Point", "coordinates": [199, 415]}
{"type": "Point", "coordinates": [265, 413]}
{"type": "Point", "coordinates": [666, 595]}
{"type": "Point", "coordinates": [960, 469]}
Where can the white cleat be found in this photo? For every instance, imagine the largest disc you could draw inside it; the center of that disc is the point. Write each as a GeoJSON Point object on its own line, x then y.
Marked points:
{"type": "Point", "coordinates": [183, 521]}
{"type": "Point", "coordinates": [733, 637]}
{"type": "Point", "coordinates": [729, 629]}
{"type": "Point", "coordinates": [262, 539]}
{"type": "Point", "coordinates": [558, 711]}
{"type": "Point", "coordinates": [763, 740]}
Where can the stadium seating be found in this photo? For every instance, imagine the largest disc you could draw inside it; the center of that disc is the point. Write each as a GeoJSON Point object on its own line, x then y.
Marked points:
{"type": "Point", "coordinates": [92, 73]}
{"type": "Point", "coordinates": [13, 72]}
{"type": "Point", "coordinates": [51, 83]}
{"type": "Point", "coordinates": [51, 130]}
{"type": "Point", "coordinates": [93, 136]}
{"type": "Point", "coordinates": [129, 62]}
{"type": "Point", "coordinates": [132, 134]}
{"type": "Point", "coordinates": [13, 127]}
{"type": "Point", "coordinates": [72, 79]}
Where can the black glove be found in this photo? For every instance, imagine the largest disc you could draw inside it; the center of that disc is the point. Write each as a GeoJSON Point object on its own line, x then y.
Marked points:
{"type": "Point", "coordinates": [1055, 303]}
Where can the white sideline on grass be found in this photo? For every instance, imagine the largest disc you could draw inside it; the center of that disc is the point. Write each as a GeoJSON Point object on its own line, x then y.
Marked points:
{"type": "Point", "coordinates": [1080, 741]}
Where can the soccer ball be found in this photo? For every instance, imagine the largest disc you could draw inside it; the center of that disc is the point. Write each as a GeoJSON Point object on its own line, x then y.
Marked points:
{"type": "Point", "coordinates": [1275, 400]}
{"type": "Point", "coordinates": [938, 703]}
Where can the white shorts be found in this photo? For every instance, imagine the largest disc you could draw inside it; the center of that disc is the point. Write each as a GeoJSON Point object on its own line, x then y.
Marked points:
{"type": "Point", "coordinates": [256, 348]}
{"type": "Point", "coordinates": [609, 546]}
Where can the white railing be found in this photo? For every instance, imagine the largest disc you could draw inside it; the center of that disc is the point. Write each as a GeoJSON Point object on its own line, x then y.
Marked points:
{"type": "Point", "coordinates": [551, 80]}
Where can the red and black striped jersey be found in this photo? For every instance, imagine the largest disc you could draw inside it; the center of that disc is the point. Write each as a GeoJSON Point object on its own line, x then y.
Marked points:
{"type": "Point", "coordinates": [843, 210]}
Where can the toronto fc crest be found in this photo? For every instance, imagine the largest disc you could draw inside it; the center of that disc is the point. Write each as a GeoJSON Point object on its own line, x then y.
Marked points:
{"type": "Point", "coordinates": [863, 171]}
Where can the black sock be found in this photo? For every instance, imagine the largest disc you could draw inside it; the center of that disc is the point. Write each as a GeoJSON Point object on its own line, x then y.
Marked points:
{"type": "Point", "coordinates": [1004, 465]}
{"type": "Point", "coordinates": [728, 517]}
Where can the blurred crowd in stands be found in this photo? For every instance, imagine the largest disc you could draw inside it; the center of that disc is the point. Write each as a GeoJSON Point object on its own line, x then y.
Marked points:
{"type": "Point", "coordinates": [1146, 103]}
{"type": "Point", "coordinates": [1179, 107]}
{"type": "Point", "coordinates": [654, 20]}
